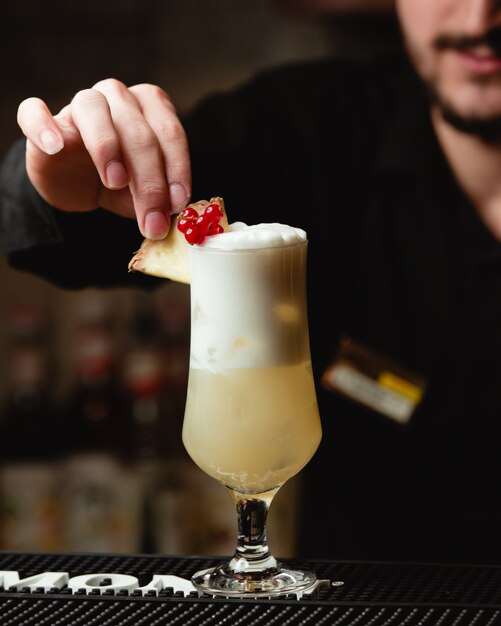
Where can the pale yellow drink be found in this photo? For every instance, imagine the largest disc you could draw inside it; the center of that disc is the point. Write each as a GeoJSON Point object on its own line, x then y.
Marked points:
{"type": "Point", "coordinates": [251, 418]}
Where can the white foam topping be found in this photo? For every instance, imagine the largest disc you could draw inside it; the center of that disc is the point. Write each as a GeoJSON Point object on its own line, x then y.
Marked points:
{"type": "Point", "coordinates": [248, 310]}
{"type": "Point", "coordinates": [243, 237]}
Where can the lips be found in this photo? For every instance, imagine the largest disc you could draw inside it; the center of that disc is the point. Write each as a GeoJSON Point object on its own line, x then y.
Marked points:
{"type": "Point", "coordinates": [479, 61]}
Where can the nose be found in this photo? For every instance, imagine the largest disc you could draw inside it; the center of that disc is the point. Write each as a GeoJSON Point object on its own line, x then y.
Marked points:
{"type": "Point", "coordinates": [480, 15]}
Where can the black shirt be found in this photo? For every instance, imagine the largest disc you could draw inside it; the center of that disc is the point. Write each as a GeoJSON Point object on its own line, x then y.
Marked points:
{"type": "Point", "coordinates": [398, 261]}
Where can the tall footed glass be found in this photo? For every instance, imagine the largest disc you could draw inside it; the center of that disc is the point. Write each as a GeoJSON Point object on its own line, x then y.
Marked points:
{"type": "Point", "coordinates": [251, 419]}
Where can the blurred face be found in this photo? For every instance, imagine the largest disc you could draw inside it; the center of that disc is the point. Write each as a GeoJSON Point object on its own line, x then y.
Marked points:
{"type": "Point", "coordinates": [455, 46]}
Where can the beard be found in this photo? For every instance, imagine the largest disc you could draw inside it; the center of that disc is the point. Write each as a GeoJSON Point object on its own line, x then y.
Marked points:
{"type": "Point", "coordinates": [485, 127]}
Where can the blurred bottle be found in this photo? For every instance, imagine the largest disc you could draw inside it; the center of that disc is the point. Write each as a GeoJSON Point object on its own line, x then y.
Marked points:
{"type": "Point", "coordinates": [143, 377]}
{"type": "Point", "coordinates": [94, 406]}
{"type": "Point", "coordinates": [173, 314]}
{"type": "Point", "coordinates": [29, 439]}
{"type": "Point", "coordinates": [101, 492]}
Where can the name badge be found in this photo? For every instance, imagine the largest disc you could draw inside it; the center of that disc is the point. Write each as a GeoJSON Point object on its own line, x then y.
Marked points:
{"type": "Point", "coordinates": [374, 381]}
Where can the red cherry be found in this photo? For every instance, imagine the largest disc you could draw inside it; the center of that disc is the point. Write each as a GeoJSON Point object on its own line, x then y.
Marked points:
{"type": "Point", "coordinates": [183, 224]}
{"type": "Point", "coordinates": [215, 211]}
{"type": "Point", "coordinates": [193, 235]}
{"type": "Point", "coordinates": [189, 213]}
{"type": "Point", "coordinates": [215, 229]}
{"type": "Point", "coordinates": [203, 223]}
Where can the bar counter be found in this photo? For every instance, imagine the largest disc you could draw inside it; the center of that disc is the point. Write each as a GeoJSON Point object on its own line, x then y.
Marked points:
{"type": "Point", "coordinates": [57, 589]}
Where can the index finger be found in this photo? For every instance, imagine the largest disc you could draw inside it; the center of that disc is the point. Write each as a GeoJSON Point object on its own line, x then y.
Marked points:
{"type": "Point", "coordinates": [161, 115]}
{"type": "Point", "coordinates": [143, 158]}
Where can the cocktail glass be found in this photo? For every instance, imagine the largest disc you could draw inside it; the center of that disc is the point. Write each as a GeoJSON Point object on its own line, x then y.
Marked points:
{"type": "Point", "coordinates": [251, 419]}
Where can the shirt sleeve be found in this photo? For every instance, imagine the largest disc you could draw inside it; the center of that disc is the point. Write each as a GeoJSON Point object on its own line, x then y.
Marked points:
{"type": "Point", "coordinates": [26, 221]}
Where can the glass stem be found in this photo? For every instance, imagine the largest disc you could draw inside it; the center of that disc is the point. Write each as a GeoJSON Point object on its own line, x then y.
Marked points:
{"type": "Point", "coordinates": [252, 553]}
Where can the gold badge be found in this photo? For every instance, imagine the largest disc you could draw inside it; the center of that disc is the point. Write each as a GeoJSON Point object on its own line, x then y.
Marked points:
{"type": "Point", "coordinates": [374, 381]}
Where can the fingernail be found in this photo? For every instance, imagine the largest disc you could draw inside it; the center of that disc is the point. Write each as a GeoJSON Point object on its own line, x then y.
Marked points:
{"type": "Point", "coordinates": [50, 141]}
{"type": "Point", "coordinates": [156, 225]}
{"type": "Point", "coordinates": [178, 196]}
{"type": "Point", "coordinates": [116, 175]}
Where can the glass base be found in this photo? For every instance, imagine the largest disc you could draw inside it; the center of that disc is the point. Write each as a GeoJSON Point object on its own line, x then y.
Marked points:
{"type": "Point", "coordinates": [218, 582]}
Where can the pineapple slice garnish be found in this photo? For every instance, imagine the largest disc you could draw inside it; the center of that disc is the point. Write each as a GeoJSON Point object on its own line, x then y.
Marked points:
{"type": "Point", "coordinates": [169, 258]}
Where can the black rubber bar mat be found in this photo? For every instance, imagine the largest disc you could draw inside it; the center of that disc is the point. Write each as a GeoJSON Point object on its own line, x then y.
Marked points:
{"type": "Point", "coordinates": [352, 593]}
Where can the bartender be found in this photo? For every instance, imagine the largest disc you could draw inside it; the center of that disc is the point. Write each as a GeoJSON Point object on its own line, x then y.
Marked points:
{"type": "Point", "coordinates": [393, 169]}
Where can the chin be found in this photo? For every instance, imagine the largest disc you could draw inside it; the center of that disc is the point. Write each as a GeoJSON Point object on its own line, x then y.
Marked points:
{"type": "Point", "coordinates": [474, 108]}
{"type": "Point", "coordinates": [487, 128]}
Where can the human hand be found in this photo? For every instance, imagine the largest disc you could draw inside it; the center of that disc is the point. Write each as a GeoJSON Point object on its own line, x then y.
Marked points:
{"type": "Point", "coordinates": [123, 149]}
